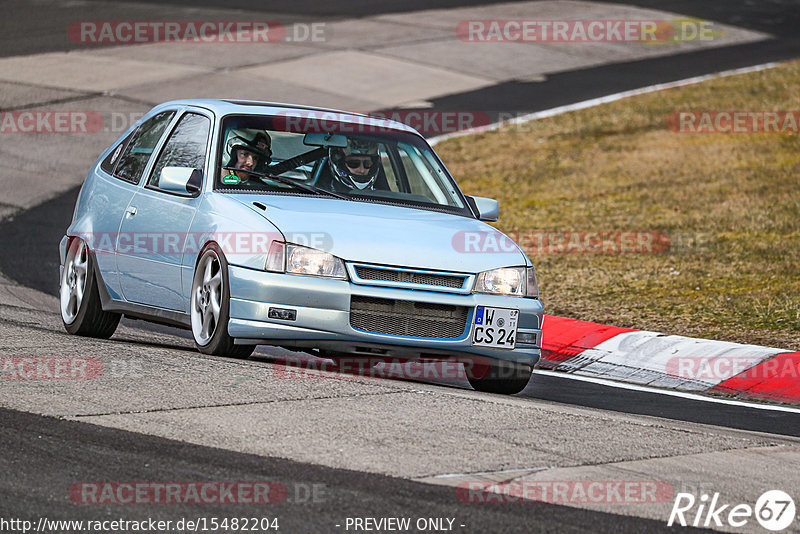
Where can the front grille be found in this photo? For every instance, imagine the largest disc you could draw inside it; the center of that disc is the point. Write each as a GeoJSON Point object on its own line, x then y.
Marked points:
{"type": "Point", "coordinates": [407, 318]}
{"type": "Point", "coordinates": [441, 280]}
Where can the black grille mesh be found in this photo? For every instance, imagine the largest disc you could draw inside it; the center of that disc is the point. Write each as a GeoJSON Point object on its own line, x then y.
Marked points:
{"type": "Point", "coordinates": [407, 318]}
{"type": "Point", "coordinates": [368, 273]}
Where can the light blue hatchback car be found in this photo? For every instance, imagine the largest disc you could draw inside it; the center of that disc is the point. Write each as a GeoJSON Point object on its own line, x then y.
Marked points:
{"type": "Point", "coordinates": [317, 230]}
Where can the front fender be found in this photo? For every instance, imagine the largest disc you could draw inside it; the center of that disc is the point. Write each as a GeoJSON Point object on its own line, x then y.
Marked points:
{"type": "Point", "coordinates": [242, 232]}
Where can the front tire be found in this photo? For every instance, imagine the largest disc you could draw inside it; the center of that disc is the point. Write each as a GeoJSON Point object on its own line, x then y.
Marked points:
{"type": "Point", "coordinates": [81, 309]}
{"type": "Point", "coordinates": [501, 377]}
{"type": "Point", "coordinates": [210, 307]}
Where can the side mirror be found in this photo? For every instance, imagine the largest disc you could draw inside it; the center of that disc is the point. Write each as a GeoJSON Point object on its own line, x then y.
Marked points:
{"type": "Point", "coordinates": [181, 180]}
{"type": "Point", "coordinates": [488, 208]}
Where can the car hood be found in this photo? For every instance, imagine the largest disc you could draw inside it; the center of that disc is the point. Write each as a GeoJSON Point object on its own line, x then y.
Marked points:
{"type": "Point", "coordinates": [388, 235]}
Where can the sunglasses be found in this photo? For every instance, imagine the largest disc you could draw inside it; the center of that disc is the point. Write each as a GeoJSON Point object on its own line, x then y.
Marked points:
{"type": "Point", "coordinates": [355, 163]}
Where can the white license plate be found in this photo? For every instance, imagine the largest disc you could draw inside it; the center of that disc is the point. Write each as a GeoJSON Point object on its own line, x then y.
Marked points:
{"type": "Point", "coordinates": [495, 327]}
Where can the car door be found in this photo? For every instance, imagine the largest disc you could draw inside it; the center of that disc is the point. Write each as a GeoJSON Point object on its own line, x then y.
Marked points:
{"type": "Point", "coordinates": [155, 226]}
{"type": "Point", "coordinates": [119, 175]}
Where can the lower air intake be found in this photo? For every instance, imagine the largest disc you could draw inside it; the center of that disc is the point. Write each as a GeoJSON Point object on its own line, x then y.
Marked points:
{"type": "Point", "coordinates": [407, 318]}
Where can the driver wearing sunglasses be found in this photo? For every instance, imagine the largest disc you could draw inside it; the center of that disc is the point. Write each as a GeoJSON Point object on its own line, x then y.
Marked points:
{"type": "Point", "coordinates": [355, 166]}
{"type": "Point", "coordinates": [359, 165]}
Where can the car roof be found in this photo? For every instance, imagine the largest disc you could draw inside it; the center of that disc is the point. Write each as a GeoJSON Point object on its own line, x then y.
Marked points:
{"type": "Point", "coordinates": [250, 107]}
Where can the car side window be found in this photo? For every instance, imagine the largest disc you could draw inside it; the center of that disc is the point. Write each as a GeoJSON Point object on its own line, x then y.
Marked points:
{"type": "Point", "coordinates": [423, 178]}
{"type": "Point", "coordinates": [111, 160]}
{"type": "Point", "coordinates": [415, 179]}
{"type": "Point", "coordinates": [388, 169]}
{"type": "Point", "coordinates": [137, 153]}
{"type": "Point", "coordinates": [186, 146]}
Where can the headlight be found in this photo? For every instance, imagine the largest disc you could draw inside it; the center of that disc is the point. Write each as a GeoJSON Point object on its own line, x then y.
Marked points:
{"type": "Point", "coordinates": [511, 281]}
{"type": "Point", "coordinates": [296, 259]}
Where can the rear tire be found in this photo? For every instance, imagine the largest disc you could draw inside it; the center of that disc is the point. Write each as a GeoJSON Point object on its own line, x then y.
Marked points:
{"type": "Point", "coordinates": [210, 307]}
{"type": "Point", "coordinates": [81, 308]}
{"type": "Point", "coordinates": [501, 377]}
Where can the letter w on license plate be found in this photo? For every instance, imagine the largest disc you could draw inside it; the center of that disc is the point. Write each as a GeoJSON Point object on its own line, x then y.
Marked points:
{"type": "Point", "coordinates": [495, 327]}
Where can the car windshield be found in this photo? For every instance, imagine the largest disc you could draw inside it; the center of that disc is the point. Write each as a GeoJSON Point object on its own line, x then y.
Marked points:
{"type": "Point", "coordinates": [367, 162]}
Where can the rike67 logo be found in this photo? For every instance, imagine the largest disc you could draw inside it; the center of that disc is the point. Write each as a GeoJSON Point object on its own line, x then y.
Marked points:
{"type": "Point", "coordinates": [774, 510]}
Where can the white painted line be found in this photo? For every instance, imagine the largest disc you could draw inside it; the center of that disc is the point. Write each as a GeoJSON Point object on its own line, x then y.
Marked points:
{"type": "Point", "coordinates": [681, 394]}
{"type": "Point", "coordinates": [483, 473]}
{"type": "Point", "coordinates": [602, 100]}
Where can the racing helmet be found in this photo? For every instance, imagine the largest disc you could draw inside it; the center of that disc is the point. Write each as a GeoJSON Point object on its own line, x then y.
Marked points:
{"type": "Point", "coordinates": [361, 176]}
{"type": "Point", "coordinates": [258, 143]}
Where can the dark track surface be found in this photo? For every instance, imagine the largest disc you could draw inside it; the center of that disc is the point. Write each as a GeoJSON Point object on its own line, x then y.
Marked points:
{"type": "Point", "coordinates": [517, 98]}
{"type": "Point", "coordinates": [43, 457]}
{"type": "Point", "coordinates": [779, 18]}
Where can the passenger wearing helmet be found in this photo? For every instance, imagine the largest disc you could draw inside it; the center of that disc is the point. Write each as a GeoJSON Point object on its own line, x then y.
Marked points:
{"type": "Point", "coordinates": [356, 166]}
{"type": "Point", "coordinates": [249, 155]}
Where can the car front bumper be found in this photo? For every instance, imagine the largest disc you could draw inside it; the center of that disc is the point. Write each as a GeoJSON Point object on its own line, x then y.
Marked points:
{"type": "Point", "coordinates": [322, 319]}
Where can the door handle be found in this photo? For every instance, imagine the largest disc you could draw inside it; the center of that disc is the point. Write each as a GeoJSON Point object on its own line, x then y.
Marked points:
{"type": "Point", "coordinates": [130, 211]}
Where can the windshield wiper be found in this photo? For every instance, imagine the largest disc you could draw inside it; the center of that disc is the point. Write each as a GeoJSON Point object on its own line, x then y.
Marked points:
{"type": "Point", "coordinates": [290, 181]}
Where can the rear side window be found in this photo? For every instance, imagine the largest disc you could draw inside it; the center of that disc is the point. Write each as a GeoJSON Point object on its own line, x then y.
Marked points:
{"type": "Point", "coordinates": [111, 160]}
{"type": "Point", "coordinates": [140, 147]}
{"type": "Point", "coordinates": [186, 146]}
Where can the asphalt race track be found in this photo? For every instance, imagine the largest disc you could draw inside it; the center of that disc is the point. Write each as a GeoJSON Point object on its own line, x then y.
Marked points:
{"type": "Point", "coordinates": [370, 448]}
{"type": "Point", "coordinates": [60, 453]}
{"type": "Point", "coordinates": [52, 217]}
